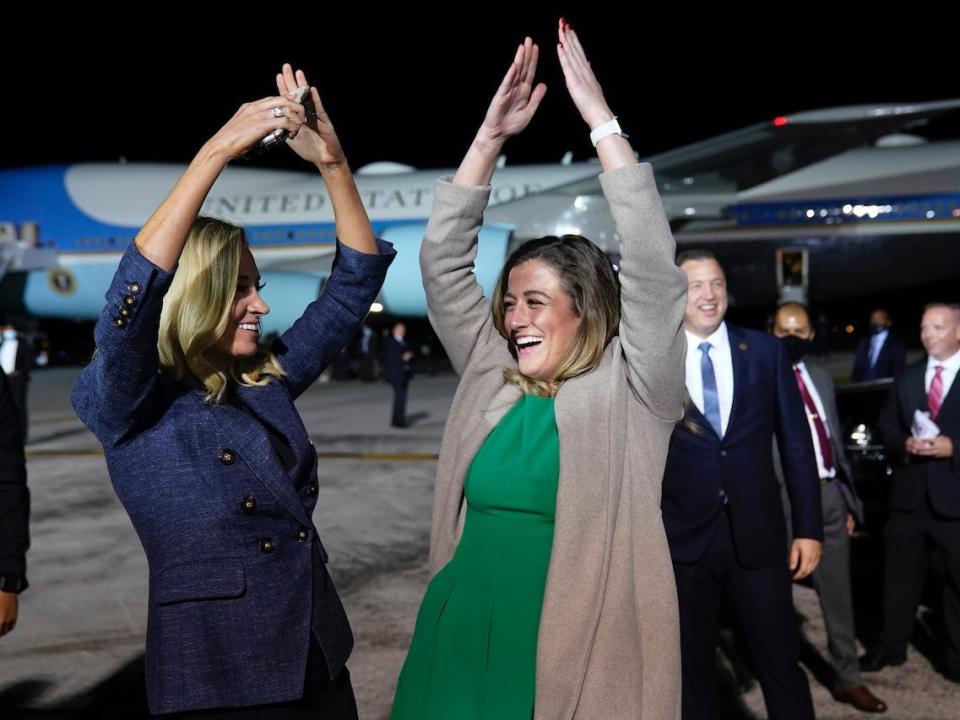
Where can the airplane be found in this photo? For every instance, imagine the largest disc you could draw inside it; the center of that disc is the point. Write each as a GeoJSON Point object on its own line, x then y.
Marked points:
{"type": "Point", "coordinates": [815, 206]}
{"type": "Point", "coordinates": [78, 219]}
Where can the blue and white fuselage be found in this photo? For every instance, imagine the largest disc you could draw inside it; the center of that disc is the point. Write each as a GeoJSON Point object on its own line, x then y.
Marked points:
{"type": "Point", "coordinates": [89, 213]}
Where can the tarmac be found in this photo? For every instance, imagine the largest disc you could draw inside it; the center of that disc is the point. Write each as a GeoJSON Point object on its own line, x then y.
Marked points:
{"type": "Point", "coordinates": [77, 650]}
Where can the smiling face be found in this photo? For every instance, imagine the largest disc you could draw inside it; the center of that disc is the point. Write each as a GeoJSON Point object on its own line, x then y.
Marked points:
{"type": "Point", "coordinates": [242, 333]}
{"type": "Point", "coordinates": [706, 297]}
{"type": "Point", "coordinates": [540, 317]}
{"type": "Point", "coordinates": [940, 331]}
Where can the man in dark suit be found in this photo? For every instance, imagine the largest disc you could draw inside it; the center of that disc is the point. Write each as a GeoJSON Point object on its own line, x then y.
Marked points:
{"type": "Point", "coordinates": [14, 509]}
{"type": "Point", "coordinates": [16, 360]}
{"type": "Point", "coordinates": [925, 492]}
{"type": "Point", "coordinates": [880, 355]}
{"type": "Point", "coordinates": [842, 508]}
{"type": "Point", "coordinates": [396, 359]}
{"type": "Point", "coordinates": [721, 501]}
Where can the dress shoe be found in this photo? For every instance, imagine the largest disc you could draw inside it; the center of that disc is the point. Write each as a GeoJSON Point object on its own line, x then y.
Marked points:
{"type": "Point", "coordinates": [861, 698]}
{"type": "Point", "coordinates": [878, 659]}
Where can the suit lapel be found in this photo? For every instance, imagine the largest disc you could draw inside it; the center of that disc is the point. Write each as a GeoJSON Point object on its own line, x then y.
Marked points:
{"type": "Point", "coordinates": [739, 356]}
{"type": "Point", "coordinates": [272, 406]}
{"type": "Point", "coordinates": [700, 419]}
{"type": "Point", "coordinates": [950, 400]}
{"type": "Point", "coordinates": [915, 388]}
{"type": "Point", "coordinates": [248, 439]}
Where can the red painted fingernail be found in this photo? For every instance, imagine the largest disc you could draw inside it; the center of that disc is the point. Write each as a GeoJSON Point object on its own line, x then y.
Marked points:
{"type": "Point", "coordinates": [561, 46]}
{"type": "Point", "coordinates": [563, 24]}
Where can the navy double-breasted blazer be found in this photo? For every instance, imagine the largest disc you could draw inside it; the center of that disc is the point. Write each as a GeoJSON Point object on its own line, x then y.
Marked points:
{"type": "Point", "coordinates": [237, 571]}
{"type": "Point", "coordinates": [706, 473]}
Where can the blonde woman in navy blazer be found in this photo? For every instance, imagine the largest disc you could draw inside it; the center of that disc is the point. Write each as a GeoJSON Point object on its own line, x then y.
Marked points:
{"type": "Point", "coordinates": [206, 449]}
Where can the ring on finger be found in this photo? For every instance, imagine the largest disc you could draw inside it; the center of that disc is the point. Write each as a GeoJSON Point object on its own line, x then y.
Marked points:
{"type": "Point", "coordinates": [278, 112]}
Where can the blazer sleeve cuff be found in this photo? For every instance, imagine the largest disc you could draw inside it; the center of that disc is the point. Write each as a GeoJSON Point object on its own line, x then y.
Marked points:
{"type": "Point", "coordinates": [137, 287]}
{"type": "Point", "coordinates": [13, 583]}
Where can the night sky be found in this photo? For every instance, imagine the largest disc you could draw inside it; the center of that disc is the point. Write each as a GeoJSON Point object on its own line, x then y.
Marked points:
{"type": "Point", "coordinates": [412, 87]}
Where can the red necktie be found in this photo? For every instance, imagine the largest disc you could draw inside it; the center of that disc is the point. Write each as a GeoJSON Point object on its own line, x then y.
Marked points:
{"type": "Point", "coordinates": [826, 452]}
{"type": "Point", "coordinates": [935, 396]}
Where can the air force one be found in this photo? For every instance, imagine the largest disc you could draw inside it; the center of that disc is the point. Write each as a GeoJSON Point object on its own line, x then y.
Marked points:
{"type": "Point", "coordinates": [818, 205]}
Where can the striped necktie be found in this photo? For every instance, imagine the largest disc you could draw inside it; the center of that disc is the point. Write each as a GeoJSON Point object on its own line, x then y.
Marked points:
{"type": "Point", "coordinates": [935, 396]}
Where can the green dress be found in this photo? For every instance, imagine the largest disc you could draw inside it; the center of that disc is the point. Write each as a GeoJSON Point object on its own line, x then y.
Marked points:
{"type": "Point", "coordinates": [474, 649]}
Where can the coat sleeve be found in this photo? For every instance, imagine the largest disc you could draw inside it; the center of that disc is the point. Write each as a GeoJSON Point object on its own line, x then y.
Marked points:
{"type": "Point", "coordinates": [457, 309]}
{"type": "Point", "coordinates": [330, 321]}
{"type": "Point", "coordinates": [115, 393]}
{"type": "Point", "coordinates": [653, 293]}
{"type": "Point", "coordinates": [796, 453]}
{"type": "Point", "coordinates": [14, 496]}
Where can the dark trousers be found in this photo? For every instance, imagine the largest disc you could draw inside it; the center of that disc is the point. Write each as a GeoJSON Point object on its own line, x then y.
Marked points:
{"type": "Point", "coordinates": [908, 536]}
{"type": "Point", "coordinates": [399, 417]}
{"type": "Point", "coordinates": [323, 699]}
{"type": "Point", "coordinates": [763, 602]}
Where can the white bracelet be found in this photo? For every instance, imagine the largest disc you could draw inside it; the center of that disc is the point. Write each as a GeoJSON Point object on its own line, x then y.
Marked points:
{"type": "Point", "coordinates": [611, 127]}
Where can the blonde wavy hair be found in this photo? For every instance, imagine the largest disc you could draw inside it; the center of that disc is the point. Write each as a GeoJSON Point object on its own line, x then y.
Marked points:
{"type": "Point", "coordinates": [196, 312]}
{"type": "Point", "coordinates": [587, 276]}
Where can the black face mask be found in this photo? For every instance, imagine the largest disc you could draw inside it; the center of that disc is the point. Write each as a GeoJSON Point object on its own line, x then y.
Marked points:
{"type": "Point", "coordinates": [877, 329]}
{"type": "Point", "coordinates": [796, 347]}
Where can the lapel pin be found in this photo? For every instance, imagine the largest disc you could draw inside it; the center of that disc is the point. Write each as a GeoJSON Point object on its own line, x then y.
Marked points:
{"type": "Point", "coordinates": [743, 346]}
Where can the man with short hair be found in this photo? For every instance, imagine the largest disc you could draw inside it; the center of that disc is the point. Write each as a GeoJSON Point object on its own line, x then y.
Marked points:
{"type": "Point", "coordinates": [880, 355]}
{"type": "Point", "coordinates": [721, 500]}
{"type": "Point", "coordinates": [396, 357]}
{"type": "Point", "coordinates": [925, 491]}
{"type": "Point", "coordinates": [840, 506]}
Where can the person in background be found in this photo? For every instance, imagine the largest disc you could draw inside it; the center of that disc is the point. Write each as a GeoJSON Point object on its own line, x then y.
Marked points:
{"type": "Point", "coordinates": [396, 355]}
{"type": "Point", "coordinates": [880, 355]}
{"type": "Point", "coordinates": [841, 507]}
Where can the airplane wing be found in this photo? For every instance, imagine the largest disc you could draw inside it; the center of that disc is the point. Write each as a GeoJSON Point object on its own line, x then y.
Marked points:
{"type": "Point", "coordinates": [702, 179]}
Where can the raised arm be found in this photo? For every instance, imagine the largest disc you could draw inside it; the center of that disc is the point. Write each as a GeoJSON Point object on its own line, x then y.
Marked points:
{"type": "Point", "coordinates": [162, 237]}
{"type": "Point", "coordinates": [455, 304]}
{"type": "Point", "coordinates": [359, 268]}
{"type": "Point", "coordinates": [653, 290]}
{"type": "Point", "coordinates": [115, 392]}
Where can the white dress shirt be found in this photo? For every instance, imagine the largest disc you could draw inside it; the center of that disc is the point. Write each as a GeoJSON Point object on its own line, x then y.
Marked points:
{"type": "Point", "coordinates": [818, 404]}
{"type": "Point", "coordinates": [876, 345]}
{"type": "Point", "coordinates": [8, 355]}
{"type": "Point", "coordinates": [722, 361]}
{"type": "Point", "coordinates": [950, 366]}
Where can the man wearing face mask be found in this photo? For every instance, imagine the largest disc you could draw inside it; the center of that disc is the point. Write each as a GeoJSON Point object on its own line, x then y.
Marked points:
{"type": "Point", "coordinates": [880, 355]}
{"type": "Point", "coordinates": [841, 507]}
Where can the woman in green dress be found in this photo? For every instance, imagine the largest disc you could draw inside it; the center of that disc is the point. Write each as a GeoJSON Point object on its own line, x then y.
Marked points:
{"type": "Point", "coordinates": [552, 593]}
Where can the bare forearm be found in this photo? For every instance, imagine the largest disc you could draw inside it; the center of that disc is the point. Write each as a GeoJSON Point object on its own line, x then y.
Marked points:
{"type": "Point", "coordinates": [479, 163]}
{"type": "Point", "coordinates": [615, 152]}
{"type": "Point", "coordinates": [353, 224]}
{"type": "Point", "coordinates": [162, 237]}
